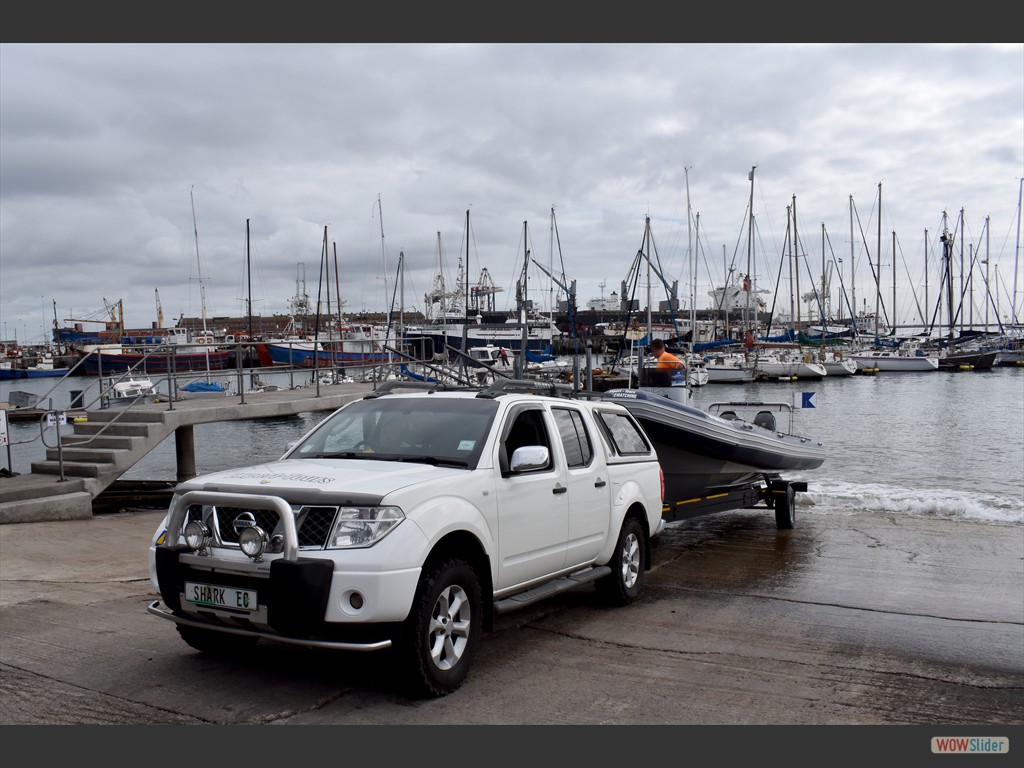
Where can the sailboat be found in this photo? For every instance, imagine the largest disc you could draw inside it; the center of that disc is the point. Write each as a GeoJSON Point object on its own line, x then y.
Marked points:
{"type": "Point", "coordinates": [965, 352]}
{"type": "Point", "coordinates": [202, 387]}
{"type": "Point", "coordinates": [898, 357]}
{"type": "Point", "coordinates": [673, 384]}
{"type": "Point", "coordinates": [464, 317]}
{"type": "Point", "coordinates": [726, 361]}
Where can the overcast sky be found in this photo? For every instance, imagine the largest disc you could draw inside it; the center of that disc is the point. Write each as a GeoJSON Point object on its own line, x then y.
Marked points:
{"type": "Point", "coordinates": [104, 148]}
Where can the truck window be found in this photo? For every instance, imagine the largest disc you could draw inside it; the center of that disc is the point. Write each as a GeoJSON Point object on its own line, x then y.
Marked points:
{"type": "Point", "coordinates": [624, 433]}
{"type": "Point", "coordinates": [527, 428]}
{"type": "Point", "coordinates": [574, 436]}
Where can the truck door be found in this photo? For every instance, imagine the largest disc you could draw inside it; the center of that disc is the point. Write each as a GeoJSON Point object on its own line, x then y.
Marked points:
{"type": "Point", "coordinates": [588, 483]}
{"type": "Point", "coordinates": [533, 506]}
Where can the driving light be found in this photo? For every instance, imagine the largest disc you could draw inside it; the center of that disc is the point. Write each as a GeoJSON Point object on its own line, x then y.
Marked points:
{"type": "Point", "coordinates": [197, 536]}
{"type": "Point", "coordinates": [253, 541]}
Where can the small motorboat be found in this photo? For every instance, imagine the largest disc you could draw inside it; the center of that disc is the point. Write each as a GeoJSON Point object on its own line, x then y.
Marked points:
{"type": "Point", "coordinates": [129, 391]}
{"type": "Point", "coordinates": [729, 444]}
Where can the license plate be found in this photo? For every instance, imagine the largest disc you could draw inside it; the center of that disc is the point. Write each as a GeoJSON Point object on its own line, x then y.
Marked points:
{"type": "Point", "coordinates": [220, 597]}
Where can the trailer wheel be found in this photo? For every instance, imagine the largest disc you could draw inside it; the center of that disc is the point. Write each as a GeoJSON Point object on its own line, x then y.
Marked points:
{"type": "Point", "coordinates": [629, 566]}
{"type": "Point", "coordinates": [785, 508]}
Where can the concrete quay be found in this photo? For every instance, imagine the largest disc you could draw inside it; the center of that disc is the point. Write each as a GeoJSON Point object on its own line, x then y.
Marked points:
{"type": "Point", "coordinates": [109, 441]}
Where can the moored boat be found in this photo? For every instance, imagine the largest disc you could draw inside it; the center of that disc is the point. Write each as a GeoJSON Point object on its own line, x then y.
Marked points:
{"type": "Point", "coordinates": [106, 359]}
{"type": "Point", "coordinates": [978, 359]}
{"type": "Point", "coordinates": [129, 391]}
{"type": "Point", "coordinates": [895, 360]}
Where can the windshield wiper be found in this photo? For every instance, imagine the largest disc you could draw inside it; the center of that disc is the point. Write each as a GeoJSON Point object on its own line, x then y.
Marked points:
{"type": "Point", "coordinates": [434, 460]}
{"type": "Point", "coordinates": [341, 455]}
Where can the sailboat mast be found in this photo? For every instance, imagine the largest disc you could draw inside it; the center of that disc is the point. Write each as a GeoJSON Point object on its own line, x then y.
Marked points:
{"type": "Point", "coordinates": [647, 248]}
{"type": "Point", "coordinates": [690, 259]}
{"type": "Point", "coordinates": [824, 300]}
{"type": "Point", "coordinates": [959, 312]}
{"type": "Point", "coordinates": [795, 291]}
{"type": "Point", "coordinates": [202, 285]}
{"type": "Point", "coordinates": [987, 260]}
{"type": "Point", "coordinates": [199, 263]}
{"type": "Point", "coordinates": [750, 250]}
{"type": "Point", "coordinates": [948, 275]}
{"type": "Point", "coordinates": [465, 288]}
{"type": "Point", "coordinates": [853, 283]}
{"type": "Point", "coordinates": [878, 259]}
{"type": "Point", "coordinates": [383, 252]}
{"type": "Point", "coordinates": [521, 360]}
{"type": "Point", "coordinates": [926, 304]}
{"type": "Point", "coordinates": [248, 278]}
{"type": "Point", "coordinates": [1016, 255]}
{"type": "Point", "coordinates": [894, 323]}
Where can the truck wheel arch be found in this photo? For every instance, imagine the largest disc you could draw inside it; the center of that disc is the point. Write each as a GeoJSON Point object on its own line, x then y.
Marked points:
{"type": "Point", "coordinates": [467, 547]}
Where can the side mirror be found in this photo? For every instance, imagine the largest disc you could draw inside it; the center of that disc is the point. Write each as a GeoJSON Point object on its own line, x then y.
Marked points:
{"type": "Point", "coordinates": [529, 457]}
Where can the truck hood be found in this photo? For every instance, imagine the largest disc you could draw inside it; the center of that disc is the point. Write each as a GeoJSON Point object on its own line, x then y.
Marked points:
{"type": "Point", "coordinates": [306, 479]}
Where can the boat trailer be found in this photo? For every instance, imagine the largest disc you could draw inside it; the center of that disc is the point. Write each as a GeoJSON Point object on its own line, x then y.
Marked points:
{"type": "Point", "coordinates": [771, 493]}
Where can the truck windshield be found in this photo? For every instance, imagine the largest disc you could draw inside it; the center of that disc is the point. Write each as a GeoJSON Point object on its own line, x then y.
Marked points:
{"type": "Point", "coordinates": [449, 431]}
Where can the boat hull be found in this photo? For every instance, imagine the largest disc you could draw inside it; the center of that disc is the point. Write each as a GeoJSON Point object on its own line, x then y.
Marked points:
{"type": "Point", "coordinates": [888, 361]}
{"type": "Point", "coordinates": [981, 361]}
{"type": "Point", "coordinates": [700, 452]}
{"type": "Point", "coordinates": [301, 354]}
{"type": "Point", "coordinates": [184, 362]}
{"type": "Point", "coordinates": [771, 369]}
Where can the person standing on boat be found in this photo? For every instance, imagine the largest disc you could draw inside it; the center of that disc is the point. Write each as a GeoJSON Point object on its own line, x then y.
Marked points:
{"type": "Point", "coordinates": [503, 355]}
{"type": "Point", "coordinates": [665, 358]}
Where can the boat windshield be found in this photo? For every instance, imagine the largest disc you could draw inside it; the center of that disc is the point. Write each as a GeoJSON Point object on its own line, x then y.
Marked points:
{"type": "Point", "coordinates": [435, 430]}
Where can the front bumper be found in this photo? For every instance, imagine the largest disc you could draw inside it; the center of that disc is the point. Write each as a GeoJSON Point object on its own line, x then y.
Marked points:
{"type": "Point", "coordinates": [338, 645]}
{"type": "Point", "coordinates": [356, 599]}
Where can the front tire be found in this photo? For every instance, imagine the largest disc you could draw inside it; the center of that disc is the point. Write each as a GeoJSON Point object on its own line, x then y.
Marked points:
{"type": "Point", "coordinates": [629, 565]}
{"type": "Point", "coordinates": [443, 629]}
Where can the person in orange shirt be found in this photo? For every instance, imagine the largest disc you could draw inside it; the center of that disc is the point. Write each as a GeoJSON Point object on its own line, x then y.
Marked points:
{"type": "Point", "coordinates": [665, 358]}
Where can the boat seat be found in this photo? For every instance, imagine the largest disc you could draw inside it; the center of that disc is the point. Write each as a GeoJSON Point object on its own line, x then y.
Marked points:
{"type": "Point", "coordinates": [728, 415]}
{"type": "Point", "coordinates": [765, 419]}
{"type": "Point", "coordinates": [655, 377]}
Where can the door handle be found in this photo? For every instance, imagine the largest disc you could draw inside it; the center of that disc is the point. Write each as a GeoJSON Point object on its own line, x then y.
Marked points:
{"type": "Point", "coordinates": [600, 483]}
{"type": "Point", "coordinates": [559, 489]}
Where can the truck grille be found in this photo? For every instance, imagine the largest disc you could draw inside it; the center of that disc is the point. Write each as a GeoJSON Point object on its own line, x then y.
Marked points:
{"type": "Point", "coordinates": [313, 524]}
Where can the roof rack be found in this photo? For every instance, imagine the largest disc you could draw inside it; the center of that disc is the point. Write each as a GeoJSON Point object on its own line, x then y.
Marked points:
{"type": "Point", "coordinates": [391, 385]}
{"type": "Point", "coordinates": [526, 387]}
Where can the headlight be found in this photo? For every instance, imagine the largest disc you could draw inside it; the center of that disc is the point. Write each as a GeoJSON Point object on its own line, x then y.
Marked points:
{"type": "Point", "coordinates": [252, 541]}
{"type": "Point", "coordinates": [197, 536]}
{"type": "Point", "coordinates": [363, 526]}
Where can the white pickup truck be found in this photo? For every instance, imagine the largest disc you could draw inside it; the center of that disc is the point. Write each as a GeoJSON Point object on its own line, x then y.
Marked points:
{"type": "Point", "coordinates": [407, 519]}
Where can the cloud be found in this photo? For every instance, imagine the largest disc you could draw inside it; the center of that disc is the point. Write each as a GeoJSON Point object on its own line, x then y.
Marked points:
{"type": "Point", "coordinates": [104, 147]}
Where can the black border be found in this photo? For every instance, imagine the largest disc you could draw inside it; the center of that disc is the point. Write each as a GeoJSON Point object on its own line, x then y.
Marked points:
{"type": "Point", "coordinates": [397, 21]}
{"type": "Point", "coordinates": [800, 745]}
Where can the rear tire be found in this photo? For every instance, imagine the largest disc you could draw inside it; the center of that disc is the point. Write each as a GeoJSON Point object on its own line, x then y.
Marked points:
{"type": "Point", "coordinates": [443, 629]}
{"type": "Point", "coordinates": [216, 643]}
{"type": "Point", "coordinates": [629, 565]}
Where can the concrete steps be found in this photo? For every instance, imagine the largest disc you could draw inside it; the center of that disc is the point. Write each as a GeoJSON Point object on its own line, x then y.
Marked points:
{"type": "Point", "coordinates": [108, 443]}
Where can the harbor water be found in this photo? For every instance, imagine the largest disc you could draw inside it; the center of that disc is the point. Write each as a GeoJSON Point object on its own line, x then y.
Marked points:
{"type": "Point", "coordinates": [946, 444]}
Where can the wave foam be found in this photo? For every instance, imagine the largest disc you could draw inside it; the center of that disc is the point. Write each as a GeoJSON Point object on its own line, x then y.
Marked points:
{"type": "Point", "coordinates": [934, 502]}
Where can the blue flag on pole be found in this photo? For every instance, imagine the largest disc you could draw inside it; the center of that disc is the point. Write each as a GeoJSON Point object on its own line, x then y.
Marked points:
{"type": "Point", "coordinates": [807, 399]}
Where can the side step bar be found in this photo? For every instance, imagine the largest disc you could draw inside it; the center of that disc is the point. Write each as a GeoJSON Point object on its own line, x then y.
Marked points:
{"type": "Point", "coordinates": [542, 591]}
